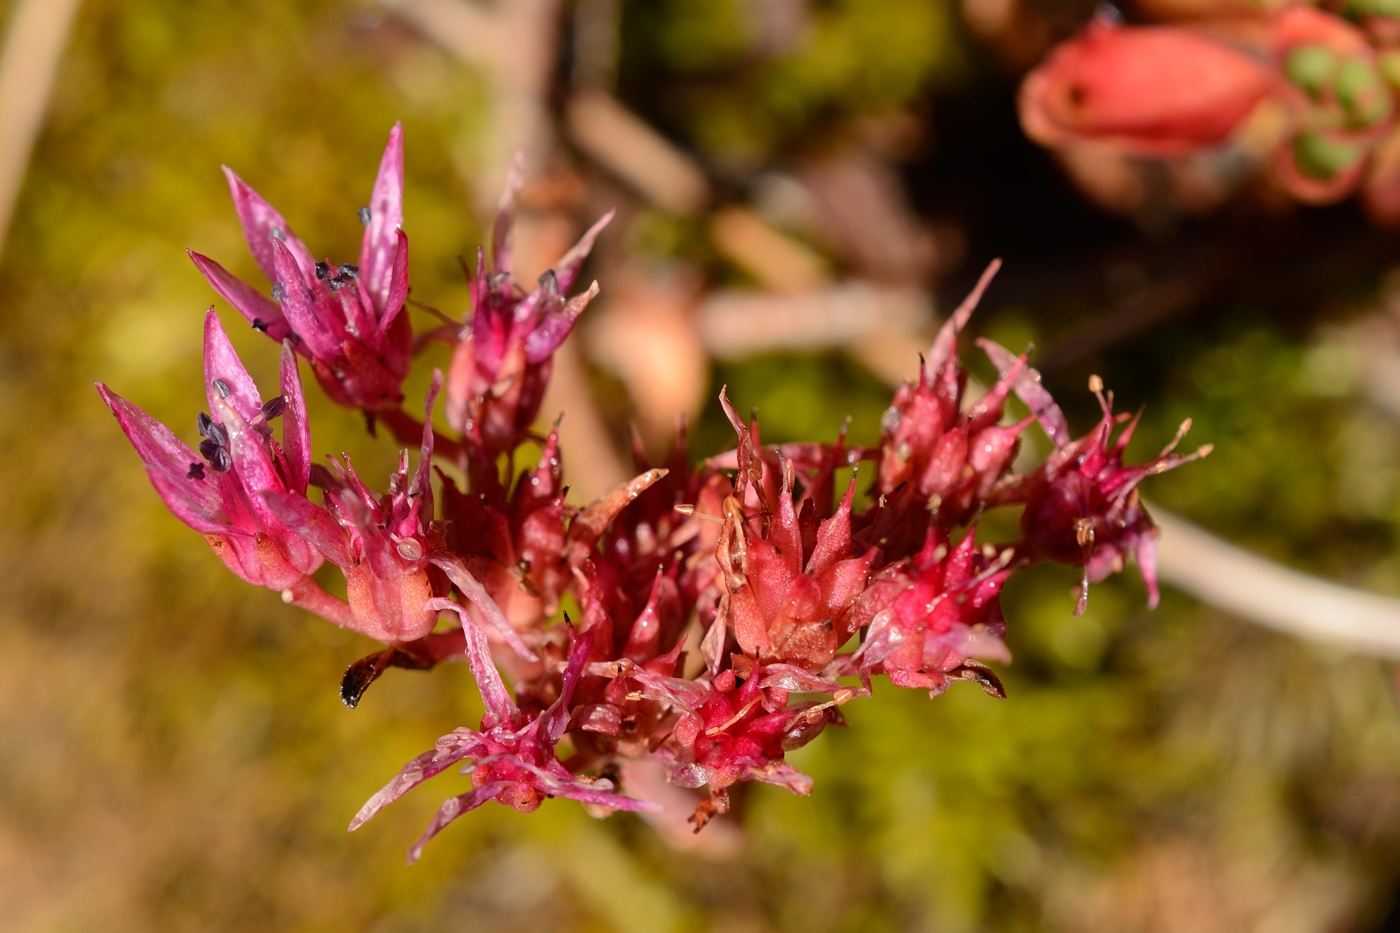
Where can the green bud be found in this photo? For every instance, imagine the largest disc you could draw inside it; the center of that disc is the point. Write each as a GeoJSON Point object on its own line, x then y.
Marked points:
{"type": "Point", "coordinates": [1310, 67]}
{"type": "Point", "coordinates": [1361, 92]}
{"type": "Point", "coordinates": [1389, 65]}
{"type": "Point", "coordinates": [1322, 158]}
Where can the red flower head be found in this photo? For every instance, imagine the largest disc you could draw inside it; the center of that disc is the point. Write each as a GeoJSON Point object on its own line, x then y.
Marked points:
{"type": "Point", "coordinates": [512, 756]}
{"type": "Point", "coordinates": [938, 461]}
{"type": "Point", "coordinates": [930, 616]}
{"type": "Point", "coordinates": [1082, 505]}
{"type": "Point", "coordinates": [1147, 90]}
{"type": "Point", "coordinates": [349, 321]}
{"type": "Point", "coordinates": [503, 361]}
{"type": "Point", "coordinates": [220, 490]}
{"type": "Point", "coordinates": [789, 579]}
{"type": "Point", "coordinates": [382, 544]}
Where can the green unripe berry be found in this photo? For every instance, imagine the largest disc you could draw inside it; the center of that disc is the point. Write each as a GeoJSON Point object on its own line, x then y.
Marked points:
{"type": "Point", "coordinates": [1310, 67]}
{"type": "Point", "coordinates": [1321, 158]}
{"type": "Point", "coordinates": [1361, 92]}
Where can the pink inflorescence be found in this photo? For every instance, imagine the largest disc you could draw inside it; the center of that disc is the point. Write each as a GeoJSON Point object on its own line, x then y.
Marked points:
{"type": "Point", "coordinates": [728, 608]}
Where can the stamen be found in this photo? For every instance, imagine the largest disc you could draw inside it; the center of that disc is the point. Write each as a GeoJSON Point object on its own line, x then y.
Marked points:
{"type": "Point", "coordinates": [278, 294]}
{"type": "Point", "coordinates": [259, 324]}
{"type": "Point", "coordinates": [222, 388]}
{"type": "Point", "coordinates": [349, 270]}
{"type": "Point", "coordinates": [274, 407]}
{"type": "Point", "coordinates": [323, 270]}
{"type": "Point", "coordinates": [365, 215]}
{"type": "Point", "coordinates": [203, 424]}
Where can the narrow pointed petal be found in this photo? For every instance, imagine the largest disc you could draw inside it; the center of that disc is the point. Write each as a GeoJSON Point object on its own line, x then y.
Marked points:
{"type": "Point", "coordinates": [460, 745]}
{"type": "Point", "coordinates": [261, 225]}
{"type": "Point", "coordinates": [396, 289]}
{"type": "Point", "coordinates": [251, 462]}
{"type": "Point", "coordinates": [381, 239]}
{"type": "Point", "coordinates": [196, 502]}
{"type": "Point", "coordinates": [499, 705]}
{"type": "Point", "coordinates": [1027, 386]}
{"type": "Point", "coordinates": [566, 270]}
{"type": "Point", "coordinates": [453, 808]}
{"type": "Point", "coordinates": [222, 366]}
{"type": "Point", "coordinates": [299, 304]}
{"type": "Point", "coordinates": [946, 341]}
{"type": "Point", "coordinates": [556, 325]}
{"type": "Point", "coordinates": [296, 430]}
{"type": "Point", "coordinates": [555, 720]}
{"type": "Point", "coordinates": [505, 216]}
{"type": "Point", "coordinates": [313, 524]}
{"type": "Point", "coordinates": [262, 312]}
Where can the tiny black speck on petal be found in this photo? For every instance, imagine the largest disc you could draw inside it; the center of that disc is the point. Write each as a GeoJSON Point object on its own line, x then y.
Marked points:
{"type": "Point", "coordinates": [196, 471]}
{"type": "Point", "coordinates": [260, 324]}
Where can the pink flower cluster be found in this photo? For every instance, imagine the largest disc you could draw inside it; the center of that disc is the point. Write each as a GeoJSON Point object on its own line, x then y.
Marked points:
{"type": "Point", "coordinates": [729, 607]}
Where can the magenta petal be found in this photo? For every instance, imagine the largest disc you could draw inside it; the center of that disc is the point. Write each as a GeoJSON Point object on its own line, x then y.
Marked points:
{"type": "Point", "coordinates": [566, 270]}
{"type": "Point", "coordinates": [451, 749]}
{"type": "Point", "coordinates": [453, 808]}
{"type": "Point", "coordinates": [555, 325]}
{"type": "Point", "coordinates": [1146, 554]}
{"type": "Point", "coordinates": [386, 215]}
{"type": "Point", "coordinates": [262, 312]}
{"type": "Point", "coordinates": [499, 705]}
{"type": "Point", "coordinates": [945, 343]}
{"type": "Point", "coordinates": [1026, 384]}
{"type": "Point", "coordinates": [251, 462]}
{"type": "Point", "coordinates": [396, 291]}
{"type": "Point", "coordinates": [221, 364]}
{"type": "Point", "coordinates": [505, 217]}
{"type": "Point", "coordinates": [195, 502]}
{"type": "Point", "coordinates": [555, 720]}
{"type": "Point", "coordinates": [261, 225]}
{"type": "Point", "coordinates": [313, 524]}
{"type": "Point", "coordinates": [299, 304]}
{"type": "Point", "coordinates": [296, 430]}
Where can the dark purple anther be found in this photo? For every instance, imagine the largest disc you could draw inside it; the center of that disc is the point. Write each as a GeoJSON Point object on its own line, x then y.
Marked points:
{"type": "Point", "coordinates": [349, 270]}
{"type": "Point", "coordinates": [323, 270]}
{"type": "Point", "coordinates": [274, 407]}
{"type": "Point", "coordinates": [259, 324]}
{"type": "Point", "coordinates": [222, 388]}
{"type": "Point", "coordinates": [365, 216]}
{"type": "Point", "coordinates": [203, 424]}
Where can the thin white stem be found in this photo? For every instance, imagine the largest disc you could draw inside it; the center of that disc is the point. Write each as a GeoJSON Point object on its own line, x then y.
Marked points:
{"type": "Point", "coordinates": [1230, 578]}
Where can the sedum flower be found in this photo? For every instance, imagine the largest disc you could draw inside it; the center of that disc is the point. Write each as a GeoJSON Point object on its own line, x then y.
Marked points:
{"type": "Point", "coordinates": [349, 320]}
{"type": "Point", "coordinates": [221, 490]}
{"type": "Point", "coordinates": [511, 758]}
{"type": "Point", "coordinates": [502, 363]}
{"type": "Point", "coordinates": [382, 544]}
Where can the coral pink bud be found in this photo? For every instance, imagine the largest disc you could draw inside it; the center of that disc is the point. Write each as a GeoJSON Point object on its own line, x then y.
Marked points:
{"type": "Point", "coordinates": [1149, 90]}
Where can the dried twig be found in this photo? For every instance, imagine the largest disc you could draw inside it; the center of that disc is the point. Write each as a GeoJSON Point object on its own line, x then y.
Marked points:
{"type": "Point", "coordinates": [34, 44]}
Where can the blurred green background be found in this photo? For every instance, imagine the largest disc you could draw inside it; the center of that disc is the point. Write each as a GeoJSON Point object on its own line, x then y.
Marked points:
{"type": "Point", "coordinates": [173, 753]}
